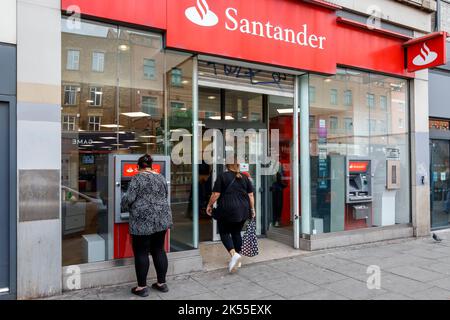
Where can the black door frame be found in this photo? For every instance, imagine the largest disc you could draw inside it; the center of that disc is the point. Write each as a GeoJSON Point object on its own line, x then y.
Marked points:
{"type": "Point", "coordinates": [436, 135]}
{"type": "Point", "coordinates": [11, 101]}
{"type": "Point", "coordinates": [227, 124]}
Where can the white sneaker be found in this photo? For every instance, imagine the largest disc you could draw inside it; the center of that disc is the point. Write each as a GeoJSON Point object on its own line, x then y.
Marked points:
{"type": "Point", "coordinates": [235, 260]}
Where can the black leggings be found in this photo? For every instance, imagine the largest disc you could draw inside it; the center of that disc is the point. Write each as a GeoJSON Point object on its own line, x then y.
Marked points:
{"type": "Point", "coordinates": [230, 234]}
{"type": "Point", "coordinates": [153, 244]}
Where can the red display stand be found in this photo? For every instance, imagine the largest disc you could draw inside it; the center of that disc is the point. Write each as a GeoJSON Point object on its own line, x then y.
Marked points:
{"type": "Point", "coordinates": [122, 241]}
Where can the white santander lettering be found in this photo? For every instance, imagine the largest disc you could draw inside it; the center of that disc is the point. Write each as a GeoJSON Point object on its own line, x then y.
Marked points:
{"type": "Point", "coordinates": [268, 30]}
{"type": "Point", "coordinates": [230, 17]}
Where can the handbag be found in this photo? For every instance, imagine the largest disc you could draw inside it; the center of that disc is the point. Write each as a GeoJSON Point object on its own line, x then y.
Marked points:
{"type": "Point", "coordinates": [250, 240]}
{"type": "Point", "coordinates": [216, 212]}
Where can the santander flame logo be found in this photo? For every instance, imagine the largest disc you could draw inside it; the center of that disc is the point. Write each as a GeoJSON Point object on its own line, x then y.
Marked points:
{"type": "Point", "coordinates": [425, 57]}
{"type": "Point", "coordinates": [202, 15]}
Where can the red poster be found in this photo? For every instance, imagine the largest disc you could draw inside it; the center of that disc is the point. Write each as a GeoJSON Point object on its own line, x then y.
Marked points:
{"type": "Point", "coordinates": [427, 52]}
{"type": "Point", "coordinates": [284, 32]}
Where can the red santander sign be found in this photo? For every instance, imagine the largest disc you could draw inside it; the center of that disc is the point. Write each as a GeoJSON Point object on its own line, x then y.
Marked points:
{"type": "Point", "coordinates": [256, 30]}
{"type": "Point", "coordinates": [426, 52]}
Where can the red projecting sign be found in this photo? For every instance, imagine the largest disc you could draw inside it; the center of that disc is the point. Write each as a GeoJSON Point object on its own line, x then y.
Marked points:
{"type": "Point", "coordinates": [427, 52]}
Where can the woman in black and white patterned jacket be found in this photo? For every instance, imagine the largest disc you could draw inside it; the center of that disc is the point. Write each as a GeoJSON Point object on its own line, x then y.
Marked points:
{"type": "Point", "coordinates": [150, 217]}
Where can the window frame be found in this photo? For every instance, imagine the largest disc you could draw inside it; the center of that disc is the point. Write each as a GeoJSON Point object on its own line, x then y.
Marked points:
{"type": "Point", "coordinates": [348, 98]}
{"type": "Point", "coordinates": [152, 67]}
{"type": "Point", "coordinates": [173, 76]}
{"type": "Point", "coordinates": [334, 97]}
{"type": "Point", "coordinates": [150, 97]}
{"type": "Point", "coordinates": [94, 53]}
{"type": "Point", "coordinates": [100, 96]}
{"type": "Point", "coordinates": [67, 124]}
{"type": "Point", "coordinates": [94, 123]}
{"type": "Point", "coordinates": [70, 61]}
{"type": "Point", "coordinates": [370, 100]}
{"type": "Point", "coordinates": [75, 96]}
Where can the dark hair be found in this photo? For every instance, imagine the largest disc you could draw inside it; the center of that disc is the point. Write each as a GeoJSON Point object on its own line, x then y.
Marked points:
{"type": "Point", "coordinates": [145, 162]}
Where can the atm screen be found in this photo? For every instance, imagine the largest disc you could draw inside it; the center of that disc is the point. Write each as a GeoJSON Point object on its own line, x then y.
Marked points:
{"type": "Point", "coordinates": [358, 166]}
{"type": "Point", "coordinates": [130, 169]}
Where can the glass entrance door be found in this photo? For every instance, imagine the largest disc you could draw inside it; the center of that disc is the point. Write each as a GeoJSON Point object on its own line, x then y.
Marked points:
{"type": "Point", "coordinates": [233, 121]}
{"type": "Point", "coordinates": [266, 122]}
{"type": "Point", "coordinates": [440, 183]}
{"type": "Point", "coordinates": [251, 167]}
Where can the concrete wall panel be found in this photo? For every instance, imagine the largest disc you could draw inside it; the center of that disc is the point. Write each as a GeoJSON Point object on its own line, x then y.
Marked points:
{"type": "Point", "coordinates": [39, 147]}
{"type": "Point", "coordinates": [39, 272]}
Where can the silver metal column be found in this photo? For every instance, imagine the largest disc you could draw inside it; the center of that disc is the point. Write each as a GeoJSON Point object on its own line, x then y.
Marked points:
{"type": "Point", "coordinates": [305, 172]}
{"type": "Point", "coordinates": [195, 154]}
{"type": "Point", "coordinates": [295, 162]}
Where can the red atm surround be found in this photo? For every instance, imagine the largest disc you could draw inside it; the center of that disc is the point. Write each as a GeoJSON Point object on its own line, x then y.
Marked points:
{"type": "Point", "coordinates": [122, 239]}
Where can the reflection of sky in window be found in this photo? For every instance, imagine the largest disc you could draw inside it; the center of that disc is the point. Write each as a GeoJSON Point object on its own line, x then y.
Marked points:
{"type": "Point", "coordinates": [89, 29]}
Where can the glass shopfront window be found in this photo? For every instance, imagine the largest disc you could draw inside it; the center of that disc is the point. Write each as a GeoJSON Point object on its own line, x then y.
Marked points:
{"type": "Point", "coordinates": [359, 150]}
{"type": "Point", "coordinates": [118, 94]}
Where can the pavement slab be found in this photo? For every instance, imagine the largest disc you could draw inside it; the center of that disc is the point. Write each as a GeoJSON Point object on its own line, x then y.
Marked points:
{"type": "Point", "coordinates": [417, 269]}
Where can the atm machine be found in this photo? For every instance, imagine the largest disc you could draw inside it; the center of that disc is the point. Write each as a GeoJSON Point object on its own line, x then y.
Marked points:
{"type": "Point", "coordinates": [359, 196]}
{"type": "Point", "coordinates": [122, 168]}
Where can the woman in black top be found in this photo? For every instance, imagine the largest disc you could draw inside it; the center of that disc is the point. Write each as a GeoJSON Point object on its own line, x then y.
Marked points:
{"type": "Point", "coordinates": [236, 205]}
{"type": "Point", "coordinates": [150, 217]}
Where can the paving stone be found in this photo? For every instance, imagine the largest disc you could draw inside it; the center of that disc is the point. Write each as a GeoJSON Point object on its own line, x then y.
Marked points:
{"type": "Point", "coordinates": [390, 262]}
{"type": "Point", "coordinates": [442, 283]}
{"type": "Point", "coordinates": [433, 293]}
{"type": "Point", "coordinates": [289, 264]}
{"type": "Point", "coordinates": [416, 273]}
{"type": "Point", "coordinates": [427, 253]}
{"type": "Point", "coordinates": [325, 261]}
{"type": "Point", "coordinates": [182, 289]}
{"type": "Point", "coordinates": [322, 294]}
{"type": "Point", "coordinates": [391, 296]}
{"type": "Point", "coordinates": [203, 296]}
{"type": "Point", "coordinates": [289, 286]}
{"type": "Point", "coordinates": [354, 289]}
{"type": "Point", "coordinates": [402, 285]}
{"type": "Point", "coordinates": [260, 273]}
{"type": "Point", "coordinates": [242, 291]}
{"type": "Point", "coordinates": [317, 275]}
{"type": "Point", "coordinates": [444, 260]}
{"type": "Point", "coordinates": [352, 270]}
{"type": "Point", "coordinates": [216, 279]}
{"type": "Point", "coordinates": [442, 268]}
{"type": "Point", "coordinates": [273, 297]}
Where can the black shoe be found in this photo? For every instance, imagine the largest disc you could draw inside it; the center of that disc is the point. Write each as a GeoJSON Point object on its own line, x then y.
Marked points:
{"type": "Point", "coordinates": [163, 288]}
{"type": "Point", "coordinates": [141, 293]}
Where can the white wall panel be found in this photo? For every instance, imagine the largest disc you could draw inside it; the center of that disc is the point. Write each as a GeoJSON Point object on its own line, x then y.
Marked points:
{"type": "Point", "coordinates": [8, 21]}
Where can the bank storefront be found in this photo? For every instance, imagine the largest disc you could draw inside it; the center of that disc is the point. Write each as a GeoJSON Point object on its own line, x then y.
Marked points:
{"type": "Point", "coordinates": [322, 115]}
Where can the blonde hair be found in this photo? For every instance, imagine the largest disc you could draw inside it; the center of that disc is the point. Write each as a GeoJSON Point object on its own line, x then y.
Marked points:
{"type": "Point", "coordinates": [235, 168]}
